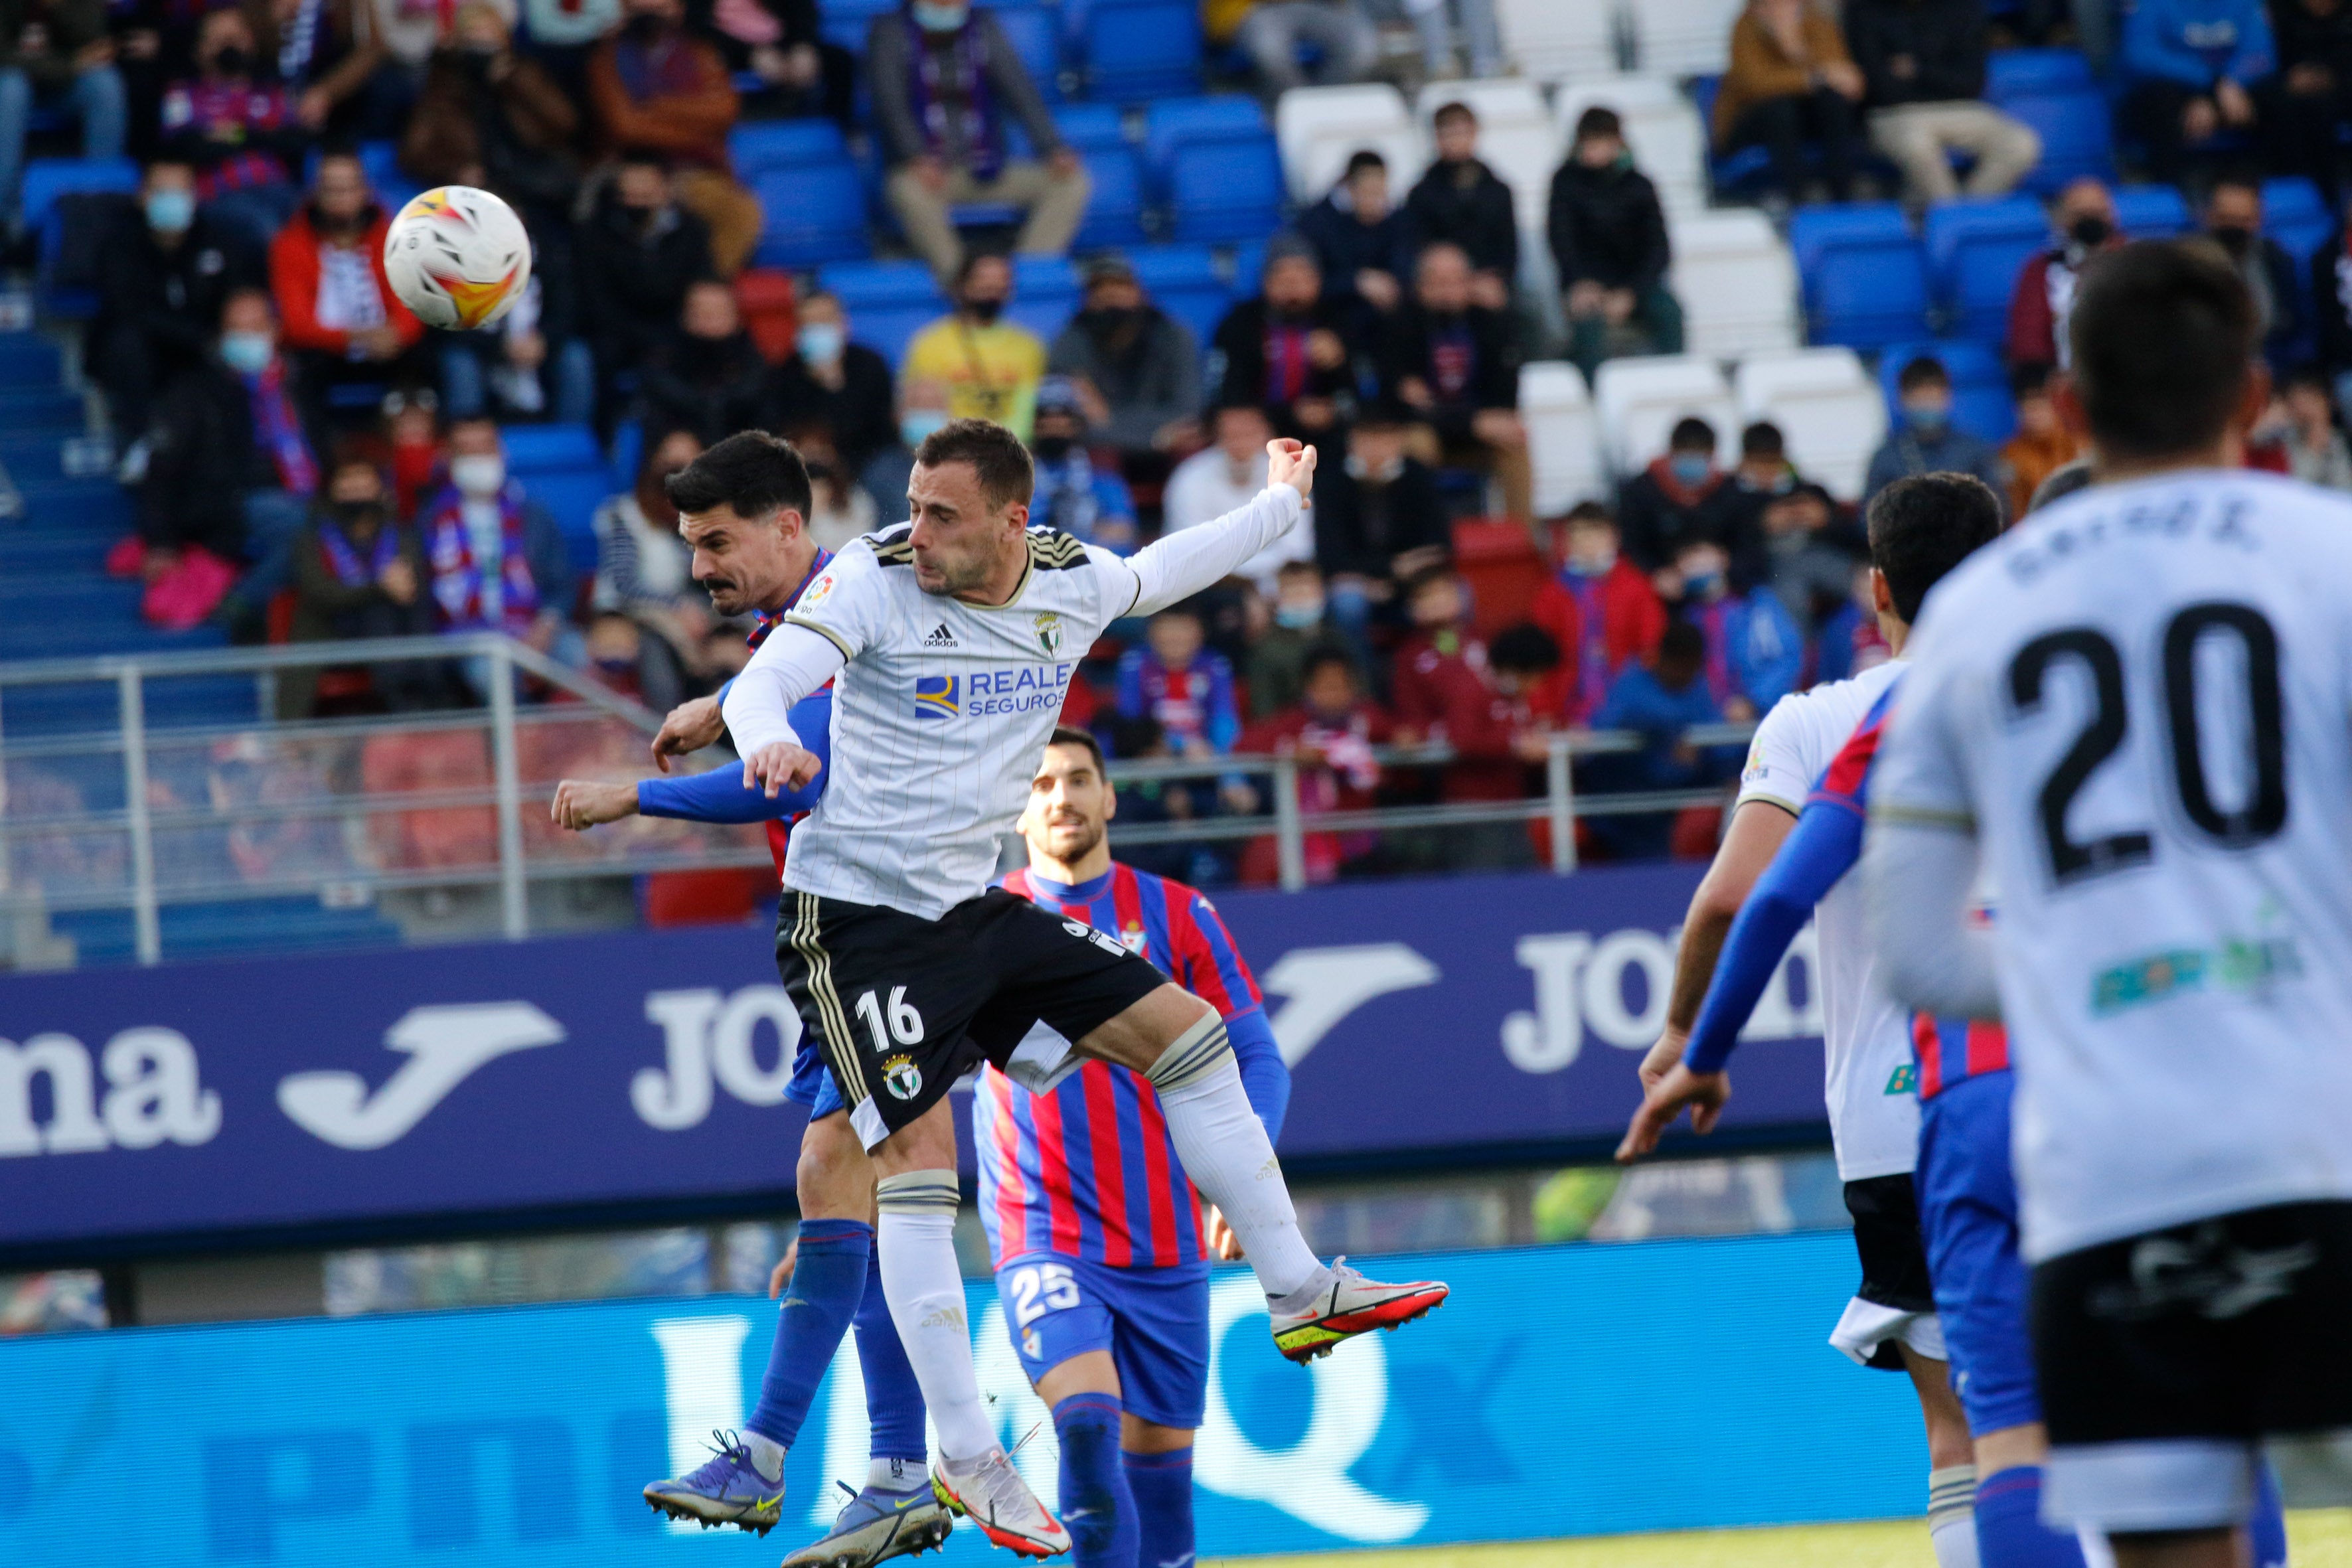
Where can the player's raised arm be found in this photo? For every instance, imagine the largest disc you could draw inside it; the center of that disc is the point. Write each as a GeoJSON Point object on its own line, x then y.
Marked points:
{"type": "Point", "coordinates": [1181, 564]}
{"type": "Point", "coordinates": [794, 662]}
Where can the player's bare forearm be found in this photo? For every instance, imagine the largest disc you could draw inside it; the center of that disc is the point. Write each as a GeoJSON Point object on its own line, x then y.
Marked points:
{"type": "Point", "coordinates": [1703, 1094]}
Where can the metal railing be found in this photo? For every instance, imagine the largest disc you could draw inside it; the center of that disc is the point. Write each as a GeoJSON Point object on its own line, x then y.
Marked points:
{"type": "Point", "coordinates": [350, 809]}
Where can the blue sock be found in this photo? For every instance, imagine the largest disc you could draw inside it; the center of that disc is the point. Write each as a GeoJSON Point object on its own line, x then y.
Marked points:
{"type": "Point", "coordinates": [1096, 1508]}
{"type": "Point", "coordinates": [2010, 1531]}
{"type": "Point", "coordinates": [2268, 1526]}
{"type": "Point", "coordinates": [1162, 1485]}
{"type": "Point", "coordinates": [894, 1400]}
{"type": "Point", "coordinates": [826, 1284]}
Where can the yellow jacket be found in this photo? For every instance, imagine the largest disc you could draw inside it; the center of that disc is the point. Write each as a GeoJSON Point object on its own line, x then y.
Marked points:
{"type": "Point", "coordinates": [991, 373]}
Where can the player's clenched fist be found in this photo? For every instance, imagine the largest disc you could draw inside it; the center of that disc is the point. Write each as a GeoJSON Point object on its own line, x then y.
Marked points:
{"type": "Point", "coordinates": [1291, 463]}
{"type": "Point", "coordinates": [779, 766]}
{"type": "Point", "coordinates": [583, 804]}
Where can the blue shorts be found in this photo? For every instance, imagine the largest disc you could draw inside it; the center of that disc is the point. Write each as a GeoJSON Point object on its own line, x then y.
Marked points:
{"type": "Point", "coordinates": [1968, 1212]}
{"type": "Point", "coordinates": [812, 1089]}
{"type": "Point", "coordinates": [1154, 1323]}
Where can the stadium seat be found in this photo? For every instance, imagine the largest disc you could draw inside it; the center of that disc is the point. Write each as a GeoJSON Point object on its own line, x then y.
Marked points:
{"type": "Point", "coordinates": [1225, 188]}
{"type": "Point", "coordinates": [2296, 215]}
{"type": "Point", "coordinates": [1138, 50]}
{"type": "Point", "coordinates": [2152, 212]}
{"type": "Point", "coordinates": [1182, 280]}
{"type": "Point", "coordinates": [1554, 41]}
{"type": "Point", "coordinates": [760, 145]}
{"type": "Point", "coordinates": [847, 22]}
{"type": "Point", "coordinates": [1975, 248]}
{"type": "Point", "coordinates": [2076, 128]}
{"type": "Point", "coordinates": [1980, 400]}
{"type": "Point", "coordinates": [392, 185]}
{"type": "Point", "coordinates": [2011, 72]}
{"type": "Point", "coordinates": [1115, 202]}
{"type": "Point", "coordinates": [1036, 34]}
{"type": "Point", "coordinates": [1045, 294]}
{"type": "Point", "coordinates": [1682, 37]}
{"type": "Point", "coordinates": [1736, 283]}
{"type": "Point", "coordinates": [1090, 125]}
{"type": "Point", "coordinates": [571, 497]}
{"type": "Point", "coordinates": [1639, 401]}
{"type": "Point", "coordinates": [1320, 128]}
{"type": "Point", "coordinates": [1662, 130]}
{"type": "Point", "coordinates": [1866, 281]}
{"type": "Point", "coordinates": [543, 448]}
{"type": "Point", "coordinates": [47, 179]}
{"type": "Point", "coordinates": [1563, 436]}
{"type": "Point", "coordinates": [1172, 123]}
{"type": "Point", "coordinates": [1828, 411]}
{"type": "Point", "coordinates": [887, 302]}
{"type": "Point", "coordinates": [814, 214]}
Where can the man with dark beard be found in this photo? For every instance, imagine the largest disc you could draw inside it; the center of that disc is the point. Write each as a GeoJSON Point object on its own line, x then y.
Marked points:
{"type": "Point", "coordinates": [1135, 368]}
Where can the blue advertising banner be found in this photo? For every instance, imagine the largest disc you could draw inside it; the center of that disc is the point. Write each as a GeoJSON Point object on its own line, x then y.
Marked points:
{"type": "Point", "coordinates": [327, 1095]}
{"type": "Point", "coordinates": [1563, 1391]}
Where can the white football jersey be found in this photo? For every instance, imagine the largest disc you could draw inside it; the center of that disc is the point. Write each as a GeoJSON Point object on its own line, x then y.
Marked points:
{"type": "Point", "coordinates": [2141, 701]}
{"type": "Point", "coordinates": [1867, 1038]}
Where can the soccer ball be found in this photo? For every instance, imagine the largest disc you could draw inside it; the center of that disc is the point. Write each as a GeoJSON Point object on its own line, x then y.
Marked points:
{"type": "Point", "coordinates": [457, 256]}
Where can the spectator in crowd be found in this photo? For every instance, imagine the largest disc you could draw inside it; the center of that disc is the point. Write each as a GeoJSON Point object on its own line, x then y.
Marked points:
{"type": "Point", "coordinates": [639, 252]}
{"type": "Point", "coordinates": [1297, 625]}
{"type": "Point", "coordinates": [412, 418]}
{"type": "Point", "coordinates": [528, 364]}
{"type": "Point", "coordinates": [1225, 475]}
{"type": "Point", "coordinates": [645, 572]}
{"type": "Point", "coordinates": [1461, 201]}
{"type": "Point", "coordinates": [1135, 366]}
{"type": "Point", "coordinates": [1923, 71]}
{"type": "Point", "coordinates": [944, 78]}
{"type": "Point", "coordinates": [1792, 82]}
{"type": "Point", "coordinates": [1379, 519]}
{"type": "Point", "coordinates": [163, 274]}
{"type": "Point", "coordinates": [1850, 640]}
{"type": "Point", "coordinates": [58, 55]}
{"type": "Point", "coordinates": [2303, 422]}
{"type": "Point", "coordinates": [2195, 71]}
{"type": "Point", "coordinates": [1682, 496]}
{"type": "Point", "coordinates": [564, 33]}
{"type": "Point", "coordinates": [233, 465]}
{"type": "Point", "coordinates": [801, 74]}
{"type": "Point", "coordinates": [1443, 695]}
{"type": "Point", "coordinates": [491, 116]}
{"type": "Point", "coordinates": [1609, 245]}
{"type": "Point", "coordinates": [1361, 240]}
{"type": "Point", "coordinates": [832, 379]}
{"type": "Point", "coordinates": [839, 508]}
{"type": "Point", "coordinates": [1176, 679]}
{"type": "Point", "coordinates": [708, 377]}
{"type": "Point", "coordinates": [1754, 651]}
{"type": "Point", "coordinates": [2311, 102]}
{"type": "Point", "coordinates": [2233, 220]}
{"type": "Point", "coordinates": [342, 323]}
{"type": "Point", "coordinates": [1809, 554]}
{"type": "Point", "coordinates": [1456, 363]}
{"type": "Point", "coordinates": [1292, 350]}
{"type": "Point", "coordinates": [922, 408]}
{"type": "Point", "coordinates": [1659, 700]}
{"type": "Point", "coordinates": [497, 561]}
{"type": "Point", "coordinates": [2082, 224]}
{"type": "Point", "coordinates": [1599, 611]}
{"type": "Point", "coordinates": [1272, 33]}
{"type": "Point", "coordinates": [1071, 493]}
{"type": "Point", "coordinates": [2042, 445]}
{"type": "Point", "coordinates": [1924, 440]}
{"type": "Point", "coordinates": [358, 573]}
{"type": "Point", "coordinates": [1331, 730]}
{"type": "Point", "coordinates": [1482, 38]}
{"type": "Point", "coordinates": [238, 130]}
{"type": "Point", "coordinates": [990, 366]}
{"type": "Point", "coordinates": [654, 85]}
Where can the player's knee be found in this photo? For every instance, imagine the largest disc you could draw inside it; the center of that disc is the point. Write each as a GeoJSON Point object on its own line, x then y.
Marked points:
{"type": "Point", "coordinates": [834, 1179]}
{"type": "Point", "coordinates": [1194, 1056]}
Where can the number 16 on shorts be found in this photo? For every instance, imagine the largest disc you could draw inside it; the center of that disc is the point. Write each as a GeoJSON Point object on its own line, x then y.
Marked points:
{"type": "Point", "coordinates": [899, 1074]}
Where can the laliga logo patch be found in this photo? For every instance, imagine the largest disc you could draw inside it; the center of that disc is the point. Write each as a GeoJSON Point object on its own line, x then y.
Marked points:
{"type": "Point", "coordinates": [1049, 632]}
{"type": "Point", "coordinates": [902, 1077]}
{"type": "Point", "coordinates": [935, 697]}
{"type": "Point", "coordinates": [815, 594]}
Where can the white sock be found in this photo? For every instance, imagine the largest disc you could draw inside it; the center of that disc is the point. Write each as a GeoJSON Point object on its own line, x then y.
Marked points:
{"type": "Point", "coordinates": [1226, 1152]}
{"type": "Point", "coordinates": [916, 1239]}
{"type": "Point", "coordinates": [767, 1454]}
{"type": "Point", "coordinates": [895, 1475]}
{"type": "Point", "coordinates": [1951, 1515]}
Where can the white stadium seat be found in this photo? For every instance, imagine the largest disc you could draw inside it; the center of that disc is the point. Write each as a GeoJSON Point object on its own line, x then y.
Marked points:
{"type": "Point", "coordinates": [1640, 400]}
{"type": "Point", "coordinates": [1516, 137]}
{"type": "Point", "coordinates": [1661, 128]}
{"type": "Point", "coordinates": [1679, 37]}
{"type": "Point", "coordinates": [1553, 40]}
{"type": "Point", "coordinates": [1736, 283]}
{"type": "Point", "coordinates": [1828, 407]}
{"type": "Point", "coordinates": [1320, 128]}
{"type": "Point", "coordinates": [1563, 436]}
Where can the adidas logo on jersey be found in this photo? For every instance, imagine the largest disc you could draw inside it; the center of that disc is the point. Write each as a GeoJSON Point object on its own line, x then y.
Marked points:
{"type": "Point", "coordinates": [941, 636]}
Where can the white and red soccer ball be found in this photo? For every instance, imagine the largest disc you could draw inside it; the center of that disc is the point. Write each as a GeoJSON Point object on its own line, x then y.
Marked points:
{"type": "Point", "coordinates": [457, 256]}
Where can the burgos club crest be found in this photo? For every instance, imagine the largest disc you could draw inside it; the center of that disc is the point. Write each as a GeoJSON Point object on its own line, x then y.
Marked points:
{"type": "Point", "coordinates": [1049, 632]}
{"type": "Point", "coordinates": [902, 1077]}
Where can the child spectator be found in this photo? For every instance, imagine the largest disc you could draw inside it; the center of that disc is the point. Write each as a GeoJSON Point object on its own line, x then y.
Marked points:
{"type": "Point", "coordinates": [1680, 496]}
{"type": "Point", "coordinates": [1072, 494]}
{"type": "Point", "coordinates": [1177, 682]}
{"type": "Point", "coordinates": [656, 85]}
{"type": "Point", "coordinates": [1808, 552]}
{"type": "Point", "coordinates": [1332, 731]}
{"type": "Point", "coordinates": [1277, 663]}
{"type": "Point", "coordinates": [1609, 246]}
{"type": "Point", "coordinates": [1361, 240]}
{"type": "Point", "coordinates": [1444, 693]}
{"type": "Point", "coordinates": [2043, 444]}
{"type": "Point", "coordinates": [1659, 700]}
{"type": "Point", "coordinates": [1754, 652]}
{"type": "Point", "coordinates": [1461, 201]}
{"type": "Point", "coordinates": [1600, 613]}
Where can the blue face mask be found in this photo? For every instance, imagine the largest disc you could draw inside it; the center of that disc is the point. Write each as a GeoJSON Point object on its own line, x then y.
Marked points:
{"type": "Point", "coordinates": [171, 211]}
{"type": "Point", "coordinates": [1298, 617]}
{"type": "Point", "coordinates": [916, 424]}
{"type": "Point", "coordinates": [933, 18]}
{"type": "Point", "coordinates": [1927, 419]}
{"type": "Point", "coordinates": [1689, 467]}
{"type": "Point", "coordinates": [247, 354]}
{"type": "Point", "coordinates": [820, 342]}
{"type": "Point", "coordinates": [1702, 585]}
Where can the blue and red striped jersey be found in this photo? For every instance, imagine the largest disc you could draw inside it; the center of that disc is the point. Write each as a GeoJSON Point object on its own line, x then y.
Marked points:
{"type": "Point", "coordinates": [762, 623]}
{"type": "Point", "coordinates": [1847, 781]}
{"type": "Point", "coordinates": [1088, 1170]}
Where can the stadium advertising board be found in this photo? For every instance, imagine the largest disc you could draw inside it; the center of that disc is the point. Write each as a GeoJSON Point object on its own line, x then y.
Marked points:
{"type": "Point", "coordinates": [329, 1094]}
{"type": "Point", "coordinates": [1530, 1407]}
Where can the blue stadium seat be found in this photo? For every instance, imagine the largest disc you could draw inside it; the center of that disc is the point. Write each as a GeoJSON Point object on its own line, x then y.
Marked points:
{"type": "Point", "coordinates": [1182, 280]}
{"type": "Point", "coordinates": [571, 497]}
{"type": "Point", "coordinates": [1115, 204]}
{"type": "Point", "coordinates": [628, 451]}
{"type": "Point", "coordinates": [382, 161]}
{"type": "Point", "coordinates": [47, 179]}
{"type": "Point", "coordinates": [887, 302]}
{"type": "Point", "coordinates": [1974, 251]}
{"type": "Point", "coordinates": [760, 145]}
{"type": "Point", "coordinates": [543, 448]}
{"type": "Point", "coordinates": [2296, 217]}
{"type": "Point", "coordinates": [846, 22]}
{"type": "Point", "coordinates": [1036, 35]}
{"type": "Point", "coordinates": [815, 215]}
{"type": "Point", "coordinates": [1086, 125]}
{"type": "Point", "coordinates": [1045, 294]}
{"type": "Point", "coordinates": [1865, 282]}
{"type": "Point", "coordinates": [2077, 134]}
{"type": "Point", "coordinates": [1980, 401]}
{"type": "Point", "coordinates": [2011, 72]}
{"type": "Point", "coordinates": [2152, 212]}
{"type": "Point", "coordinates": [1170, 125]}
{"type": "Point", "coordinates": [1142, 49]}
{"type": "Point", "coordinates": [1228, 188]}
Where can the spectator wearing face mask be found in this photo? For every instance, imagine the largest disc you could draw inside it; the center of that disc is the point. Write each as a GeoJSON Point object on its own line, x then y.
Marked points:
{"type": "Point", "coordinates": [1445, 693]}
{"type": "Point", "coordinates": [1222, 478]}
{"type": "Point", "coordinates": [839, 508]}
{"type": "Point", "coordinates": [639, 252]}
{"type": "Point", "coordinates": [1378, 521]}
{"type": "Point", "coordinates": [1457, 366]}
{"type": "Point", "coordinates": [644, 575]}
{"type": "Point", "coordinates": [1071, 493]}
{"type": "Point", "coordinates": [342, 323]}
{"type": "Point", "coordinates": [1331, 730]}
{"type": "Point", "coordinates": [1600, 611]}
{"type": "Point", "coordinates": [2083, 224]}
{"type": "Point", "coordinates": [163, 273]}
{"type": "Point", "coordinates": [1461, 201]}
{"type": "Point", "coordinates": [1608, 235]}
{"type": "Point", "coordinates": [1807, 552]}
{"type": "Point", "coordinates": [922, 408]}
{"type": "Point", "coordinates": [1754, 651]}
{"type": "Point", "coordinates": [1136, 368]}
{"type": "Point", "coordinates": [1277, 661]}
{"type": "Point", "coordinates": [1925, 441]}
{"type": "Point", "coordinates": [358, 573]}
{"type": "Point", "coordinates": [654, 85]}
{"type": "Point", "coordinates": [492, 116]}
{"type": "Point", "coordinates": [497, 561]}
{"type": "Point", "coordinates": [1292, 350]}
{"type": "Point", "coordinates": [238, 131]}
{"type": "Point", "coordinates": [831, 379]}
{"type": "Point", "coordinates": [990, 366]}
{"type": "Point", "coordinates": [1680, 496]}
{"type": "Point", "coordinates": [1363, 241]}
{"type": "Point", "coordinates": [2233, 220]}
{"type": "Point", "coordinates": [708, 377]}
{"type": "Point", "coordinates": [1660, 700]}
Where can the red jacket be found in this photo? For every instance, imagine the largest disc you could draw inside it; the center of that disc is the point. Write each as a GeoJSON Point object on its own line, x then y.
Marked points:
{"type": "Point", "coordinates": [1347, 781]}
{"type": "Point", "coordinates": [294, 279]}
{"type": "Point", "coordinates": [1631, 621]}
{"type": "Point", "coordinates": [1442, 692]}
